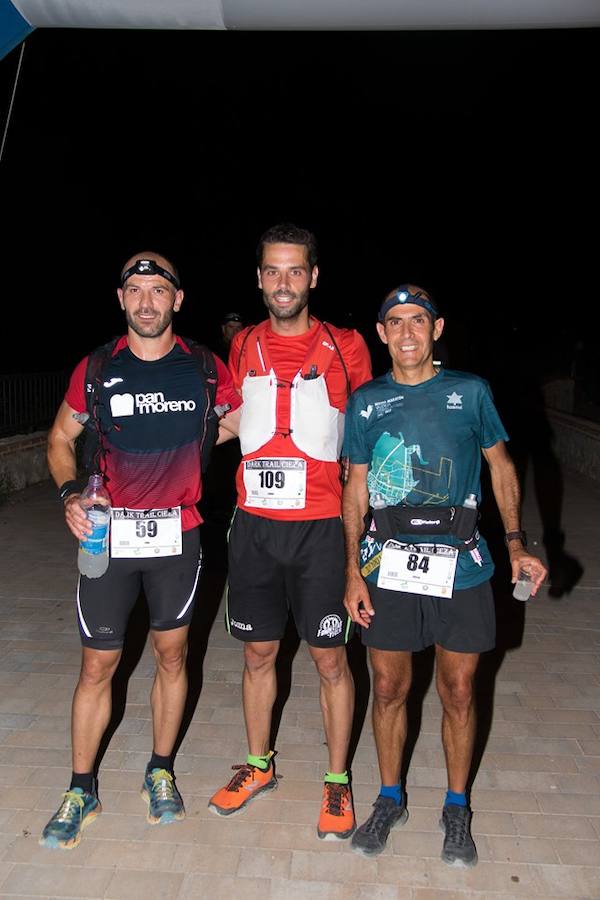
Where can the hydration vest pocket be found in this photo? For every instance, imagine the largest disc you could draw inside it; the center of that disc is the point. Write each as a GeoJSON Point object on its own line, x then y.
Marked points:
{"type": "Point", "coordinates": [259, 412]}
{"type": "Point", "coordinates": [317, 428]}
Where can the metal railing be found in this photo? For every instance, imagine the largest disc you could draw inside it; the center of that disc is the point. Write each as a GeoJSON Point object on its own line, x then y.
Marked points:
{"type": "Point", "coordinates": [29, 402]}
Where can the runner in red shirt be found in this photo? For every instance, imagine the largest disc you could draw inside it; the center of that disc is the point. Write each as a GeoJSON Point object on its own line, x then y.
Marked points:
{"type": "Point", "coordinates": [286, 549]}
{"type": "Point", "coordinates": [151, 403]}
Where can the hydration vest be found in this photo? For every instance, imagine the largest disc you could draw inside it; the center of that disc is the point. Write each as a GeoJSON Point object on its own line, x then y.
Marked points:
{"type": "Point", "coordinates": [315, 427]}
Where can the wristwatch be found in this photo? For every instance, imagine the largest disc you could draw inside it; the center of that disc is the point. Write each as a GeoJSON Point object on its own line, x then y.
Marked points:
{"type": "Point", "coordinates": [69, 487]}
{"type": "Point", "coordinates": [515, 536]}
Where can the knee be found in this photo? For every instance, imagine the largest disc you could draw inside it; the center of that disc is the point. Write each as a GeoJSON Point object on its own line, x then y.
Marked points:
{"type": "Point", "coordinates": [96, 671]}
{"type": "Point", "coordinates": [456, 694]}
{"type": "Point", "coordinates": [171, 660]}
{"type": "Point", "coordinates": [259, 656]}
{"type": "Point", "coordinates": [390, 690]}
{"type": "Point", "coordinates": [333, 667]}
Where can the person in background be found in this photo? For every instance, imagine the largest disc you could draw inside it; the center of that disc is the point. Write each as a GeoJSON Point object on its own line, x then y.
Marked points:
{"type": "Point", "coordinates": [231, 323]}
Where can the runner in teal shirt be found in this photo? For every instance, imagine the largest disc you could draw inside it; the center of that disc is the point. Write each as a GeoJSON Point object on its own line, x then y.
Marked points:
{"type": "Point", "coordinates": [414, 439]}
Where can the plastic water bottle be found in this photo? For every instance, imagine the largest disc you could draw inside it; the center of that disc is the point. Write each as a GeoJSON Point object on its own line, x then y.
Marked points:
{"type": "Point", "coordinates": [92, 558]}
{"type": "Point", "coordinates": [523, 586]}
{"type": "Point", "coordinates": [470, 502]}
{"type": "Point", "coordinates": [378, 502]}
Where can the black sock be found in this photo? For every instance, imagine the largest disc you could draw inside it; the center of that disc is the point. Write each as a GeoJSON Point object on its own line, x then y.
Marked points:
{"type": "Point", "coordinates": [159, 762]}
{"type": "Point", "coordinates": [83, 780]}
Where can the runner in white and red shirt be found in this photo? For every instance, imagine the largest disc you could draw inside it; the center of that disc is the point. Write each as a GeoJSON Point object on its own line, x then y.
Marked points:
{"type": "Point", "coordinates": [286, 548]}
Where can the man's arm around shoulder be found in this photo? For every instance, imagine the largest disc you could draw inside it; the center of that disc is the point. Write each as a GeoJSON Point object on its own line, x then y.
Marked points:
{"type": "Point", "coordinates": [355, 506]}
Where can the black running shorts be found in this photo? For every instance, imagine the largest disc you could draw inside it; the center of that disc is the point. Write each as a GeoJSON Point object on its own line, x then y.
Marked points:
{"type": "Point", "coordinates": [465, 622]}
{"type": "Point", "coordinates": [169, 582]}
{"type": "Point", "coordinates": [276, 566]}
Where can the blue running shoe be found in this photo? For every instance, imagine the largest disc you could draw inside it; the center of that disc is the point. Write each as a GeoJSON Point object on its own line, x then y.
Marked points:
{"type": "Point", "coordinates": [164, 800]}
{"type": "Point", "coordinates": [63, 831]}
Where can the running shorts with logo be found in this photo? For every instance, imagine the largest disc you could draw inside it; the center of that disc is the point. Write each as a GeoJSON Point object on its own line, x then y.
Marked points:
{"type": "Point", "coordinates": [464, 622]}
{"type": "Point", "coordinates": [275, 567]}
{"type": "Point", "coordinates": [169, 582]}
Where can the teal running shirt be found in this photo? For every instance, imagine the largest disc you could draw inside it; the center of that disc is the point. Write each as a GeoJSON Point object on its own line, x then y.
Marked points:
{"type": "Point", "coordinates": [423, 446]}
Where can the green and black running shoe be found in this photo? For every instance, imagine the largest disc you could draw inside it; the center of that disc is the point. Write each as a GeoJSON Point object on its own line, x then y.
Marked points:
{"type": "Point", "coordinates": [164, 800]}
{"type": "Point", "coordinates": [78, 809]}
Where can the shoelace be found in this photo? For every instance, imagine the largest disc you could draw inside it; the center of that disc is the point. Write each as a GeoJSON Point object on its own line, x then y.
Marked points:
{"type": "Point", "coordinates": [71, 806]}
{"type": "Point", "coordinates": [377, 818]}
{"type": "Point", "coordinates": [244, 770]}
{"type": "Point", "coordinates": [334, 798]}
{"type": "Point", "coordinates": [162, 784]}
{"type": "Point", "coordinates": [457, 829]}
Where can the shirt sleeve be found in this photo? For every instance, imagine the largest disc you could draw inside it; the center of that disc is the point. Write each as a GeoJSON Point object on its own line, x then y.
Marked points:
{"type": "Point", "coordinates": [358, 360]}
{"type": "Point", "coordinates": [234, 359]}
{"type": "Point", "coordinates": [356, 446]}
{"type": "Point", "coordinates": [226, 392]}
{"type": "Point", "coordinates": [491, 428]}
{"type": "Point", "coordinates": [75, 395]}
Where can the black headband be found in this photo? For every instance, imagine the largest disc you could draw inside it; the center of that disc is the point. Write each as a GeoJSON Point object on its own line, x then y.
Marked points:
{"type": "Point", "coordinates": [148, 267]}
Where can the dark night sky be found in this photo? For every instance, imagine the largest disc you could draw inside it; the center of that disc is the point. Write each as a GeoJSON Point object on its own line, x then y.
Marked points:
{"type": "Point", "coordinates": [466, 162]}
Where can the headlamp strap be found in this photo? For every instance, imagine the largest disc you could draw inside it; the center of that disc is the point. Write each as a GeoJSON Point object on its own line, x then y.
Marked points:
{"type": "Point", "coordinates": [148, 267]}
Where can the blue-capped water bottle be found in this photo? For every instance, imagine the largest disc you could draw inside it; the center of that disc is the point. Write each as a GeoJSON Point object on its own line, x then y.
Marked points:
{"type": "Point", "coordinates": [92, 559]}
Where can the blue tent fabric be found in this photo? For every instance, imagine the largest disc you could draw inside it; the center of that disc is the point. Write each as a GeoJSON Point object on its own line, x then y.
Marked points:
{"type": "Point", "coordinates": [13, 27]}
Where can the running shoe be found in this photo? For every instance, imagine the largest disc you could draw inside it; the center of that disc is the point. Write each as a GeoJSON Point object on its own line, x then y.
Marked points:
{"type": "Point", "coordinates": [247, 783]}
{"type": "Point", "coordinates": [336, 821]}
{"type": "Point", "coordinates": [459, 847]}
{"type": "Point", "coordinates": [78, 809]}
{"type": "Point", "coordinates": [164, 800]}
{"type": "Point", "coordinates": [370, 839]}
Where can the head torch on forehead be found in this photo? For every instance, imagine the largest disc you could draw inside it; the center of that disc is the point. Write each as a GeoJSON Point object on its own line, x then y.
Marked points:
{"type": "Point", "coordinates": [148, 267]}
{"type": "Point", "coordinates": [408, 294]}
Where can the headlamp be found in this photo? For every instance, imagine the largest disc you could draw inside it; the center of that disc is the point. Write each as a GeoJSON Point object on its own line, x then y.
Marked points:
{"type": "Point", "coordinates": [149, 267]}
{"type": "Point", "coordinates": [408, 293]}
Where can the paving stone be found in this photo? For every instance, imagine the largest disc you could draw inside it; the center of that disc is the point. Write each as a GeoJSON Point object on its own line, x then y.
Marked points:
{"type": "Point", "coordinates": [557, 825]}
{"type": "Point", "coordinates": [257, 863]}
{"type": "Point", "coordinates": [578, 853]}
{"type": "Point", "coordinates": [44, 880]}
{"type": "Point", "coordinates": [137, 885]}
{"type": "Point", "coordinates": [200, 887]}
{"type": "Point", "coordinates": [522, 849]}
{"type": "Point", "coordinates": [196, 857]}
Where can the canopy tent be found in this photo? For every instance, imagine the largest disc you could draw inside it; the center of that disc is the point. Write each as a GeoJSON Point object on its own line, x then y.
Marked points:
{"type": "Point", "coordinates": [19, 17]}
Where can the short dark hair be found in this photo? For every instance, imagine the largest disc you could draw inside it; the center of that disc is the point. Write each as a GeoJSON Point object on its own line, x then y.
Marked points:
{"type": "Point", "coordinates": [286, 233]}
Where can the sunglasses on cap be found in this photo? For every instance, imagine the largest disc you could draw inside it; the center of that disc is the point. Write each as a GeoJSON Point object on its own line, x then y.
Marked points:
{"type": "Point", "coordinates": [407, 294]}
{"type": "Point", "coordinates": [148, 267]}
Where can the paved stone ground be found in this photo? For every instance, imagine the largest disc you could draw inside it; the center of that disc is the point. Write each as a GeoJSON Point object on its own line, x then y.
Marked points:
{"type": "Point", "coordinates": [536, 794]}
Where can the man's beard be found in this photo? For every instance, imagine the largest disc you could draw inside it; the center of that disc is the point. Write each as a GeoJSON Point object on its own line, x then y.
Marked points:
{"type": "Point", "coordinates": [151, 329]}
{"type": "Point", "coordinates": [299, 302]}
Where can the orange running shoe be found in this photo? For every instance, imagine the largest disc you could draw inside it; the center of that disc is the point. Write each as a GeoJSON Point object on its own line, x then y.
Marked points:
{"type": "Point", "coordinates": [247, 783]}
{"type": "Point", "coordinates": [336, 821]}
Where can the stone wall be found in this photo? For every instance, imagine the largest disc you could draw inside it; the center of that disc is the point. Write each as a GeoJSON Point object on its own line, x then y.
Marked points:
{"type": "Point", "coordinates": [23, 460]}
{"type": "Point", "coordinates": [576, 443]}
